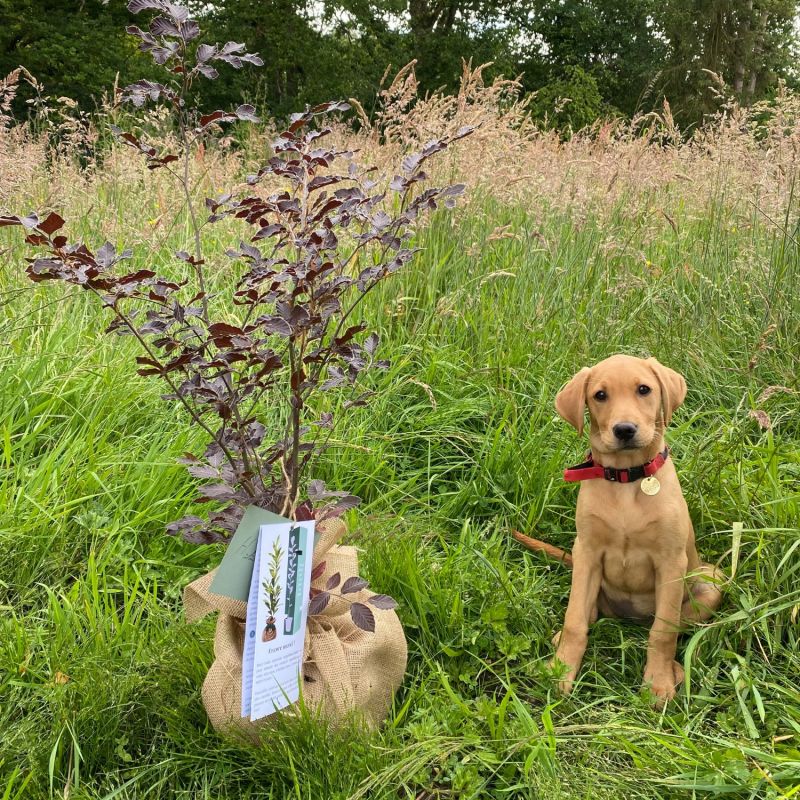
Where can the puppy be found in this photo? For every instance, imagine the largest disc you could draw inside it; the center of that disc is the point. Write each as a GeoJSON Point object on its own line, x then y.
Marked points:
{"type": "Point", "coordinates": [634, 554]}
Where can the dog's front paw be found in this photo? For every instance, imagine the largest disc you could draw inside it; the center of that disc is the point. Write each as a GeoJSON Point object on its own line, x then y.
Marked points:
{"type": "Point", "coordinates": [663, 681]}
{"type": "Point", "coordinates": [566, 675]}
{"type": "Point", "coordinates": [565, 664]}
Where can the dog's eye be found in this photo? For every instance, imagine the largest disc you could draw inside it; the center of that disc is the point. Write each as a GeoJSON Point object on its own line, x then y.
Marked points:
{"type": "Point", "coordinates": [643, 390]}
{"type": "Point", "coordinates": [600, 396]}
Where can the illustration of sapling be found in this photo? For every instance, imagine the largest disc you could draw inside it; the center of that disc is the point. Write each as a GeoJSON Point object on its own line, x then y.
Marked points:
{"type": "Point", "coordinates": [272, 592]}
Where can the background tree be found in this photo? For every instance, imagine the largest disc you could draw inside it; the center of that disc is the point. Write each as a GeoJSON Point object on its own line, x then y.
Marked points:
{"type": "Point", "coordinates": [74, 48]}
{"type": "Point", "coordinates": [749, 43]}
{"type": "Point", "coordinates": [310, 52]}
{"type": "Point", "coordinates": [444, 32]}
{"type": "Point", "coordinates": [630, 53]}
{"type": "Point", "coordinates": [616, 43]}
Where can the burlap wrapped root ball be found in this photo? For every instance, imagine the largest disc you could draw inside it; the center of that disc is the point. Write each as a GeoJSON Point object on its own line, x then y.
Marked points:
{"type": "Point", "coordinates": [345, 670]}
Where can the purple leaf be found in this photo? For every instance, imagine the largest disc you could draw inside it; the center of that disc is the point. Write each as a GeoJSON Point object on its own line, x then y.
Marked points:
{"type": "Point", "coordinates": [363, 617]}
{"type": "Point", "coordinates": [337, 378]}
{"type": "Point", "coordinates": [371, 343]}
{"type": "Point", "coordinates": [316, 489]}
{"type": "Point", "coordinates": [208, 72]}
{"type": "Point", "coordinates": [233, 53]}
{"type": "Point", "coordinates": [135, 6]}
{"type": "Point", "coordinates": [275, 325]}
{"type": "Point", "coordinates": [247, 113]}
{"type": "Point", "coordinates": [217, 491]}
{"type": "Point", "coordinates": [203, 471]}
{"type": "Point", "coordinates": [137, 277]}
{"type": "Point", "coordinates": [399, 183]}
{"type": "Point", "coordinates": [338, 508]}
{"type": "Point", "coordinates": [106, 255]}
{"type": "Point", "coordinates": [161, 26]}
{"type": "Point", "coordinates": [268, 231]}
{"type": "Point", "coordinates": [223, 329]}
{"type": "Point", "coordinates": [333, 581]}
{"type": "Point", "coordinates": [50, 224]}
{"type": "Point", "coordinates": [304, 512]}
{"type": "Point", "coordinates": [411, 162]}
{"type": "Point", "coordinates": [215, 116]}
{"type": "Point", "coordinates": [382, 601]}
{"type": "Point", "coordinates": [204, 52]}
{"type": "Point", "coordinates": [31, 221]}
{"type": "Point", "coordinates": [454, 190]}
{"type": "Point", "coordinates": [319, 602]}
{"type": "Point", "coordinates": [381, 220]}
{"type": "Point", "coordinates": [354, 584]}
{"type": "Point", "coordinates": [190, 30]}
{"type": "Point", "coordinates": [324, 108]}
{"type": "Point", "coordinates": [345, 504]}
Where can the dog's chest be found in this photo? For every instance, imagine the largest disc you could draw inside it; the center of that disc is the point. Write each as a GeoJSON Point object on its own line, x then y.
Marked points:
{"type": "Point", "coordinates": [629, 550]}
{"type": "Point", "coordinates": [628, 566]}
{"type": "Point", "coordinates": [631, 531]}
{"type": "Point", "coordinates": [622, 515]}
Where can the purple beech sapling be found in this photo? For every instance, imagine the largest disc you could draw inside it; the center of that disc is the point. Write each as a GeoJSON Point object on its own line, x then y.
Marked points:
{"type": "Point", "coordinates": [322, 234]}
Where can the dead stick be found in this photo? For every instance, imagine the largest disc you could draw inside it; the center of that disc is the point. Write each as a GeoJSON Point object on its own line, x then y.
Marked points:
{"type": "Point", "coordinates": [543, 547]}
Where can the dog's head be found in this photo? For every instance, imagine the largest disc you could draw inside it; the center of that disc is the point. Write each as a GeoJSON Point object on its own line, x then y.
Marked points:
{"type": "Point", "coordinates": [630, 402]}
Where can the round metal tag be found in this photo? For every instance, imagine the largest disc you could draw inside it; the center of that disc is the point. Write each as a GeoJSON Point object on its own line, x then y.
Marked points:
{"type": "Point", "coordinates": [650, 485]}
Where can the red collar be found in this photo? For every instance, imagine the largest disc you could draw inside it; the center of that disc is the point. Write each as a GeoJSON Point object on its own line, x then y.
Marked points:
{"type": "Point", "coordinates": [589, 469]}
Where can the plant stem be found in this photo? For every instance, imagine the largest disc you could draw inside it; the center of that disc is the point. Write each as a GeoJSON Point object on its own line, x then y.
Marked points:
{"type": "Point", "coordinates": [294, 464]}
{"type": "Point", "coordinates": [183, 125]}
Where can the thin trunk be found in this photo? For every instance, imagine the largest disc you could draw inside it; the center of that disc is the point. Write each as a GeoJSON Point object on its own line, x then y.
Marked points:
{"type": "Point", "coordinates": [758, 49]}
{"type": "Point", "coordinates": [742, 43]}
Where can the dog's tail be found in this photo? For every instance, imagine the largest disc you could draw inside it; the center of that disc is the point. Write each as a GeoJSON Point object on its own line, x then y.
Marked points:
{"type": "Point", "coordinates": [543, 547]}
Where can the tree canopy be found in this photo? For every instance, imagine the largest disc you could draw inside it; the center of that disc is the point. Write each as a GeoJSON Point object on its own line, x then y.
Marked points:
{"type": "Point", "coordinates": [605, 56]}
{"type": "Point", "coordinates": [74, 48]}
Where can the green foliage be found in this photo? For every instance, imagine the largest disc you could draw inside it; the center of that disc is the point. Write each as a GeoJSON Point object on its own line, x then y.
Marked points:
{"type": "Point", "coordinates": [73, 49]}
{"type": "Point", "coordinates": [615, 42]}
{"type": "Point", "coordinates": [568, 104]}
{"type": "Point", "coordinates": [637, 51]}
{"type": "Point", "coordinates": [750, 45]}
{"type": "Point", "coordinates": [315, 51]}
{"type": "Point", "coordinates": [100, 677]}
{"type": "Point", "coordinates": [308, 58]}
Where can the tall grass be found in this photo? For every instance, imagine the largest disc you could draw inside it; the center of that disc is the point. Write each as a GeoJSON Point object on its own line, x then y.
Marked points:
{"type": "Point", "coordinates": [600, 247]}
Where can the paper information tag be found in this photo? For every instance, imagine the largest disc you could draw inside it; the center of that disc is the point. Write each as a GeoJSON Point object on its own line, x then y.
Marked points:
{"type": "Point", "coordinates": [276, 618]}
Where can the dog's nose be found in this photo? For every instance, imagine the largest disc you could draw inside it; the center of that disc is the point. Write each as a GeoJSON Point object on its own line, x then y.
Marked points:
{"type": "Point", "coordinates": [625, 431]}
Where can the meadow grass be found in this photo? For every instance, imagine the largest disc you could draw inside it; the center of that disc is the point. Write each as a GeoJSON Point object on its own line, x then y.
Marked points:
{"type": "Point", "coordinates": [100, 676]}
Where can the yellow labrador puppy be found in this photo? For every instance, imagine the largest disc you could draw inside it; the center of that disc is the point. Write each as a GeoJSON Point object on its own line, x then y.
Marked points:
{"type": "Point", "coordinates": [634, 554]}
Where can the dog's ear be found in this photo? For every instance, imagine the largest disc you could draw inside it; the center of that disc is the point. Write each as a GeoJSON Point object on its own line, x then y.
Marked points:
{"type": "Point", "coordinates": [673, 388]}
{"type": "Point", "coordinates": [571, 400]}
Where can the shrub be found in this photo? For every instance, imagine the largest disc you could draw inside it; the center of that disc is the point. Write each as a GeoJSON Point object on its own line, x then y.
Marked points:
{"type": "Point", "coordinates": [570, 103]}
